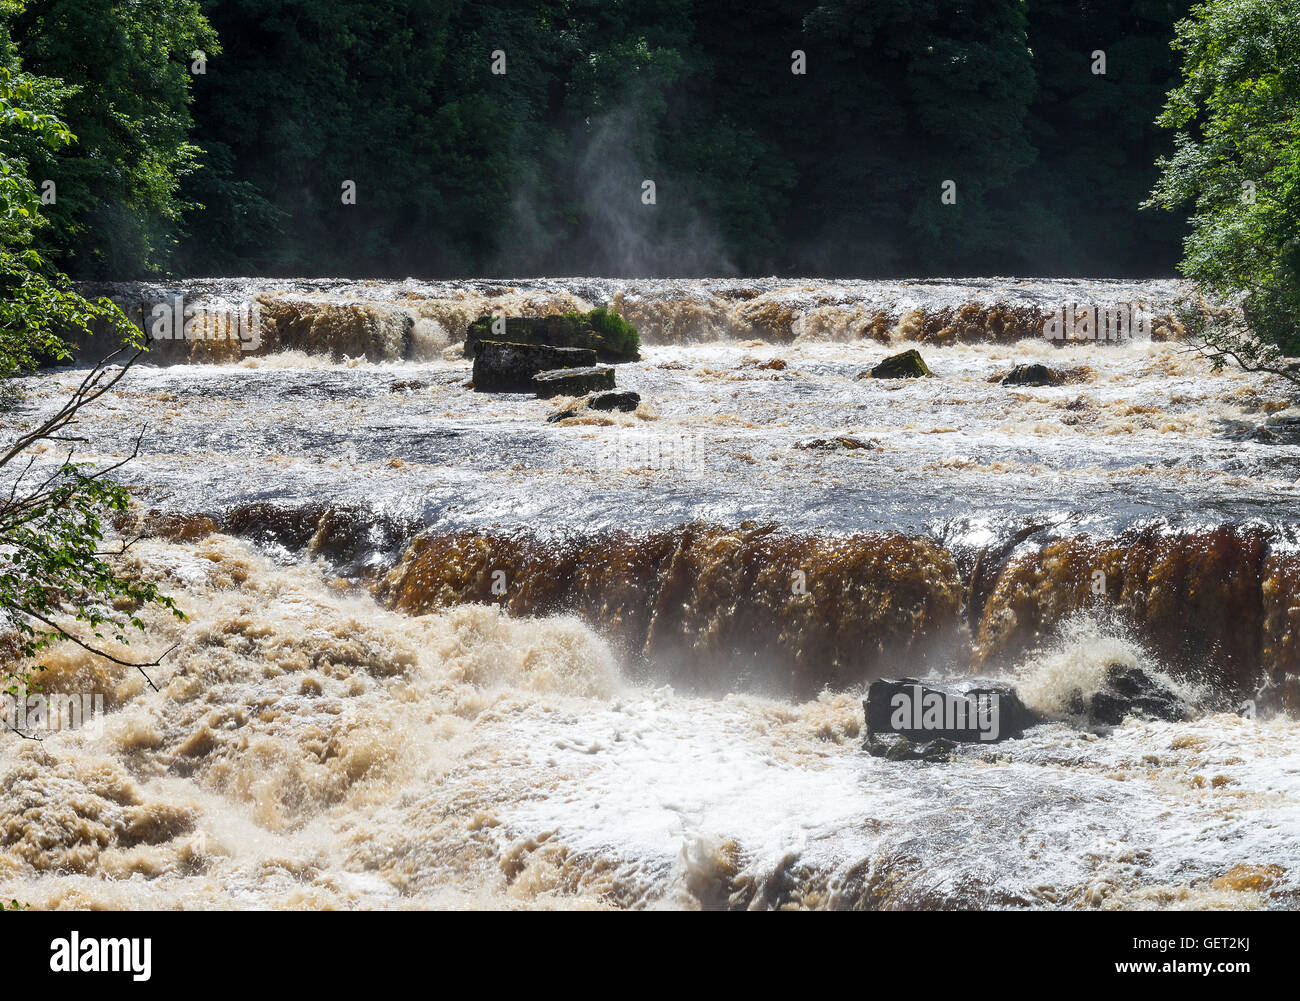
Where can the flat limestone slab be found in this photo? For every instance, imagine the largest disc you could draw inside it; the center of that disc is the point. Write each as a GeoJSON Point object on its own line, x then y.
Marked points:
{"type": "Point", "coordinates": [505, 367]}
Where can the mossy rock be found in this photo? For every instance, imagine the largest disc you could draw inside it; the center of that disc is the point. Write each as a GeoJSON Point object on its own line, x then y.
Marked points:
{"type": "Point", "coordinates": [932, 752]}
{"type": "Point", "coordinates": [608, 334]}
{"type": "Point", "coordinates": [902, 750]}
{"type": "Point", "coordinates": [907, 365]}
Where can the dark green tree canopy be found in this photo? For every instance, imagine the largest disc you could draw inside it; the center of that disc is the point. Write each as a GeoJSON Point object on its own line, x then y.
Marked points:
{"type": "Point", "coordinates": [1236, 164]}
{"type": "Point", "coordinates": [516, 137]}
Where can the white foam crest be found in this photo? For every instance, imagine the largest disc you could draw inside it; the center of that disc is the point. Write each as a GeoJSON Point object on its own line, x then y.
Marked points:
{"type": "Point", "coordinates": [1074, 663]}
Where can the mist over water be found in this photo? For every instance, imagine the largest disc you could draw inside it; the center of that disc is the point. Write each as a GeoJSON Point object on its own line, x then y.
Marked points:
{"type": "Point", "coordinates": [649, 717]}
{"type": "Point", "coordinates": [626, 230]}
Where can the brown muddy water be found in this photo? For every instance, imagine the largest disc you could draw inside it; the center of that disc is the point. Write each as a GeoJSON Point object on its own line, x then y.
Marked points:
{"type": "Point", "coordinates": [443, 653]}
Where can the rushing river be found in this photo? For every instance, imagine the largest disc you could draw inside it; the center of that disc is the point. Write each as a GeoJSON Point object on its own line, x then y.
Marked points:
{"type": "Point", "coordinates": [443, 652]}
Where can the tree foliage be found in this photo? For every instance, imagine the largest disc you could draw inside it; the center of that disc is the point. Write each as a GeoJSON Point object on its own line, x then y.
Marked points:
{"type": "Point", "coordinates": [460, 170]}
{"type": "Point", "coordinates": [55, 568]}
{"type": "Point", "coordinates": [121, 74]}
{"type": "Point", "coordinates": [1236, 163]}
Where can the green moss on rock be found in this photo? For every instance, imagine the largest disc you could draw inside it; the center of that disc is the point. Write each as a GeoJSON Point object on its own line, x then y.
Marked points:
{"type": "Point", "coordinates": [906, 365]}
{"type": "Point", "coordinates": [608, 334]}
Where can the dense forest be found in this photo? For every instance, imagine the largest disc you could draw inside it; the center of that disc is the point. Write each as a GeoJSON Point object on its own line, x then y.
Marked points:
{"type": "Point", "coordinates": [516, 137]}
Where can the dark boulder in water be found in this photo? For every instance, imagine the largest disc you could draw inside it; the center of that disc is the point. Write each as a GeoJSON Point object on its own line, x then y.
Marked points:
{"type": "Point", "coordinates": [608, 334]}
{"type": "Point", "coordinates": [573, 381]}
{"type": "Point", "coordinates": [907, 365]}
{"type": "Point", "coordinates": [973, 709]}
{"type": "Point", "coordinates": [1130, 692]}
{"type": "Point", "coordinates": [625, 402]}
{"type": "Point", "coordinates": [1033, 375]}
{"type": "Point", "coordinates": [505, 367]}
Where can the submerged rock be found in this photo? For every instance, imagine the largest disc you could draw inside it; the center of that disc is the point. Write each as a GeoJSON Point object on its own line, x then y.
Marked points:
{"type": "Point", "coordinates": [1130, 691]}
{"type": "Point", "coordinates": [836, 444]}
{"type": "Point", "coordinates": [608, 334]}
{"type": "Point", "coordinates": [934, 751]}
{"type": "Point", "coordinates": [907, 365]}
{"type": "Point", "coordinates": [573, 381]}
{"type": "Point", "coordinates": [972, 709]}
{"type": "Point", "coordinates": [625, 401]}
{"type": "Point", "coordinates": [1032, 375]}
{"type": "Point", "coordinates": [1259, 434]}
{"type": "Point", "coordinates": [505, 367]}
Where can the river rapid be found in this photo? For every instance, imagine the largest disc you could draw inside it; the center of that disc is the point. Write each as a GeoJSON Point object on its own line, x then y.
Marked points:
{"type": "Point", "coordinates": [441, 652]}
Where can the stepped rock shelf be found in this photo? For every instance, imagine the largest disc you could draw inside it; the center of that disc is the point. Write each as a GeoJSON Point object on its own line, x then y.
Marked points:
{"type": "Point", "coordinates": [503, 367]}
{"type": "Point", "coordinates": [573, 381]}
{"type": "Point", "coordinates": [608, 334]}
{"type": "Point", "coordinates": [549, 355]}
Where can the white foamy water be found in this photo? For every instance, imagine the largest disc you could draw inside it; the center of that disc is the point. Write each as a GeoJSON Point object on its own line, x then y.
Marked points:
{"type": "Point", "coordinates": [308, 749]}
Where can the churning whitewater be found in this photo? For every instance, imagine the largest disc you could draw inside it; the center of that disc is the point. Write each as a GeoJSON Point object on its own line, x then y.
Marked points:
{"type": "Point", "coordinates": [442, 651]}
